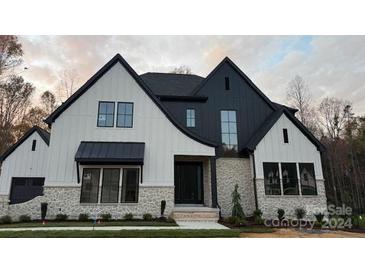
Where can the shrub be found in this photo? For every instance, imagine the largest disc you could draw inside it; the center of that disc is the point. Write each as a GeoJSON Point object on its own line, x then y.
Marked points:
{"type": "Point", "coordinates": [234, 220]}
{"type": "Point", "coordinates": [319, 217]}
{"type": "Point", "coordinates": [170, 220]}
{"type": "Point", "coordinates": [237, 210]}
{"type": "Point", "coordinates": [281, 213]}
{"type": "Point", "coordinates": [6, 220]}
{"type": "Point", "coordinates": [258, 217]}
{"type": "Point", "coordinates": [163, 206]}
{"type": "Point", "coordinates": [106, 217]}
{"type": "Point", "coordinates": [44, 207]}
{"type": "Point", "coordinates": [300, 213]}
{"type": "Point", "coordinates": [61, 217]}
{"type": "Point", "coordinates": [24, 218]}
{"type": "Point", "coordinates": [83, 217]}
{"type": "Point", "coordinates": [147, 217]}
{"type": "Point", "coordinates": [128, 216]}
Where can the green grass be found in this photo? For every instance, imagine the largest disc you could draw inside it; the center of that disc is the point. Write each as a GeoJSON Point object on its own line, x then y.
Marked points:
{"type": "Point", "coordinates": [87, 224]}
{"type": "Point", "coordinates": [255, 229]}
{"type": "Point", "coordinates": [214, 233]}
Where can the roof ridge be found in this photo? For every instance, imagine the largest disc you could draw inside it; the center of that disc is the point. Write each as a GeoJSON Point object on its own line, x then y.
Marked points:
{"type": "Point", "coordinates": [171, 73]}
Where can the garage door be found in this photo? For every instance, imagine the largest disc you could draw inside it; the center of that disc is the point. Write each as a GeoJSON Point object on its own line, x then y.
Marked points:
{"type": "Point", "coordinates": [25, 189]}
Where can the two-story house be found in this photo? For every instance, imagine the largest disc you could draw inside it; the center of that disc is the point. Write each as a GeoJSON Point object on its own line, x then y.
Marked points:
{"type": "Point", "coordinates": [125, 142]}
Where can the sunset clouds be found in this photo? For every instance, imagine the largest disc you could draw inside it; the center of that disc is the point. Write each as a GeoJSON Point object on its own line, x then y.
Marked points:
{"type": "Point", "coordinates": [331, 65]}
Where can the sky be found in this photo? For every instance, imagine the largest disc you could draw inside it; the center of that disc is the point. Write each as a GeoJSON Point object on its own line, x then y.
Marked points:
{"type": "Point", "coordinates": [330, 65]}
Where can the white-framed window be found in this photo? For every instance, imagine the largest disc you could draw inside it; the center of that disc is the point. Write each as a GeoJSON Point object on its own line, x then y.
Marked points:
{"type": "Point", "coordinates": [110, 184]}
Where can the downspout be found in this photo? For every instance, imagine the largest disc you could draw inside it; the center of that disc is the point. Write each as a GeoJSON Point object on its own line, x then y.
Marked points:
{"type": "Point", "coordinates": [254, 179]}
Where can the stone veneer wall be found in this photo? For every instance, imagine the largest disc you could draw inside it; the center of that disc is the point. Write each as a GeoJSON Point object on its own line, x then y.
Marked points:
{"type": "Point", "coordinates": [232, 171]}
{"type": "Point", "coordinates": [269, 204]}
{"type": "Point", "coordinates": [66, 200]}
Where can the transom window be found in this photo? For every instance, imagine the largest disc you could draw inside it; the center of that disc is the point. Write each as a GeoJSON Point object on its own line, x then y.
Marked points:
{"type": "Point", "coordinates": [229, 129]}
{"type": "Point", "coordinates": [106, 114]}
{"type": "Point", "coordinates": [272, 179]}
{"type": "Point", "coordinates": [110, 185]}
{"type": "Point", "coordinates": [190, 117]}
{"type": "Point", "coordinates": [125, 115]}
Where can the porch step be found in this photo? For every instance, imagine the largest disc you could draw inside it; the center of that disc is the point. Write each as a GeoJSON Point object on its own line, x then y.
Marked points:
{"type": "Point", "coordinates": [203, 214]}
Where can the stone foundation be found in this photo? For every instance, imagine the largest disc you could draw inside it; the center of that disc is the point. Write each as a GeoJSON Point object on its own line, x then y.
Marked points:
{"type": "Point", "coordinates": [232, 171]}
{"type": "Point", "coordinates": [66, 200]}
{"type": "Point", "coordinates": [269, 204]}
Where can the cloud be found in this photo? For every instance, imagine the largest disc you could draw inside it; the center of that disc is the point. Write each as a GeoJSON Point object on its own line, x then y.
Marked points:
{"type": "Point", "coordinates": [331, 65]}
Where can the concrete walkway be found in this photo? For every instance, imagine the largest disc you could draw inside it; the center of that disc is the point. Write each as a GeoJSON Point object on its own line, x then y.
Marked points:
{"type": "Point", "coordinates": [181, 225]}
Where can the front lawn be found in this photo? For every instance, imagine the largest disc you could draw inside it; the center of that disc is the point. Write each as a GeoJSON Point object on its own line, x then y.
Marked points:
{"type": "Point", "coordinates": [178, 233]}
{"type": "Point", "coordinates": [257, 229]}
{"type": "Point", "coordinates": [87, 224]}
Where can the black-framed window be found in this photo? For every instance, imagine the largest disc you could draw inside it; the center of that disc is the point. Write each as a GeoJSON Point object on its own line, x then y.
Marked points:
{"type": "Point", "coordinates": [307, 179]}
{"type": "Point", "coordinates": [285, 136]}
{"type": "Point", "coordinates": [272, 179]}
{"type": "Point", "coordinates": [190, 117]}
{"type": "Point", "coordinates": [90, 185]}
{"type": "Point", "coordinates": [130, 185]}
{"type": "Point", "coordinates": [110, 185]}
{"type": "Point", "coordinates": [289, 178]}
{"type": "Point", "coordinates": [125, 115]}
{"type": "Point", "coordinates": [229, 129]}
{"type": "Point", "coordinates": [226, 83]}
{"type": "Point", "coordinates": [106, 114]}
{"type": "Point", "coordinates": [34, 144]}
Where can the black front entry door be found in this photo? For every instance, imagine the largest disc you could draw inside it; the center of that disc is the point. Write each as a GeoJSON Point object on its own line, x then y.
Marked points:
{"type": "Point", "coordinates": [188, 183]}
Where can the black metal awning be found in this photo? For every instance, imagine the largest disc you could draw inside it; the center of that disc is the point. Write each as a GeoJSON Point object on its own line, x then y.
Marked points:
{"type": "Point", "coordinates": [110, 153]}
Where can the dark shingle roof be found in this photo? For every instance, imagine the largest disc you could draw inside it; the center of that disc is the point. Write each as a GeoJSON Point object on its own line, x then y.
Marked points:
{"type": "Point", "coordinates": [171, 83]}
{"type": "Point", "coordinates": [110, 152]}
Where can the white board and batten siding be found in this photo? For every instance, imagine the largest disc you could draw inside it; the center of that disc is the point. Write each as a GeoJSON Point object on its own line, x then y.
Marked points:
{"type": "Point", "coordinates": [150, 125]}
{"type": "Point", "coordinates": [299, 149]}
{"type": "Point", "coordinates": [23, 162]}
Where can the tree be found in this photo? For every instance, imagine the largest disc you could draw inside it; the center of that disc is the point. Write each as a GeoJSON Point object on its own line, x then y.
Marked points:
{"type": "Point", "coordinates": [49, 101]}
{"type": "Point", "coordinates": [333, 113]}
{"type": "Point", "coordinates": [237, 210]}
{"type": "Point", "coordinates": [68, 82]}
{"type": "Point", "coordinates": [181, 70]}
{"type": "Point", "coordinates": [33, 117]}
{"type": "Point", "coordinates": [10, 52]}
{"type": "Point", "coordinates": [15, 96]}
{"type": "Point", "coordinates": [299, 97]}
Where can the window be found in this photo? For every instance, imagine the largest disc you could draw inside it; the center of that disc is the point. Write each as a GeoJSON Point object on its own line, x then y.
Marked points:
{"type": "Point", "coordinates": [229, 129]}
{"type": "Point", "coordinates": [307, 179]}
{"type": "Point", "coordinates": [110, 185]}
{"type": "Point", "coordinates": [125, 115]}
{"type": "Point", "coordinates": [34, 143]}
{"type": "Point", "coordinates": [285, 135]}
{"type": "Point", "coordinates": [106, 114]}
{"type": "Point", "coordinates": [190, 117]}
{"type": "Point", "coordinates": [289, 178]}
{"type": "Point", "coordinates": [272, 179]}
{"type": "Point", "coordinates": [130, 185]}
{"type": "Point", "coordinates": [90, 185]}
{"type": "Point", "coordinates": [226, 80]}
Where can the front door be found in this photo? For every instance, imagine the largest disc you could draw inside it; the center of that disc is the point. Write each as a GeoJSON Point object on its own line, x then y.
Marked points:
{"type": "Point", "coordinates": [188, 183]}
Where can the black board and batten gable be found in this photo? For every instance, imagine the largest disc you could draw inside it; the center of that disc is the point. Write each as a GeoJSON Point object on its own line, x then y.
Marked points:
{"type": "Point", "coordinates": [225, 88]}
